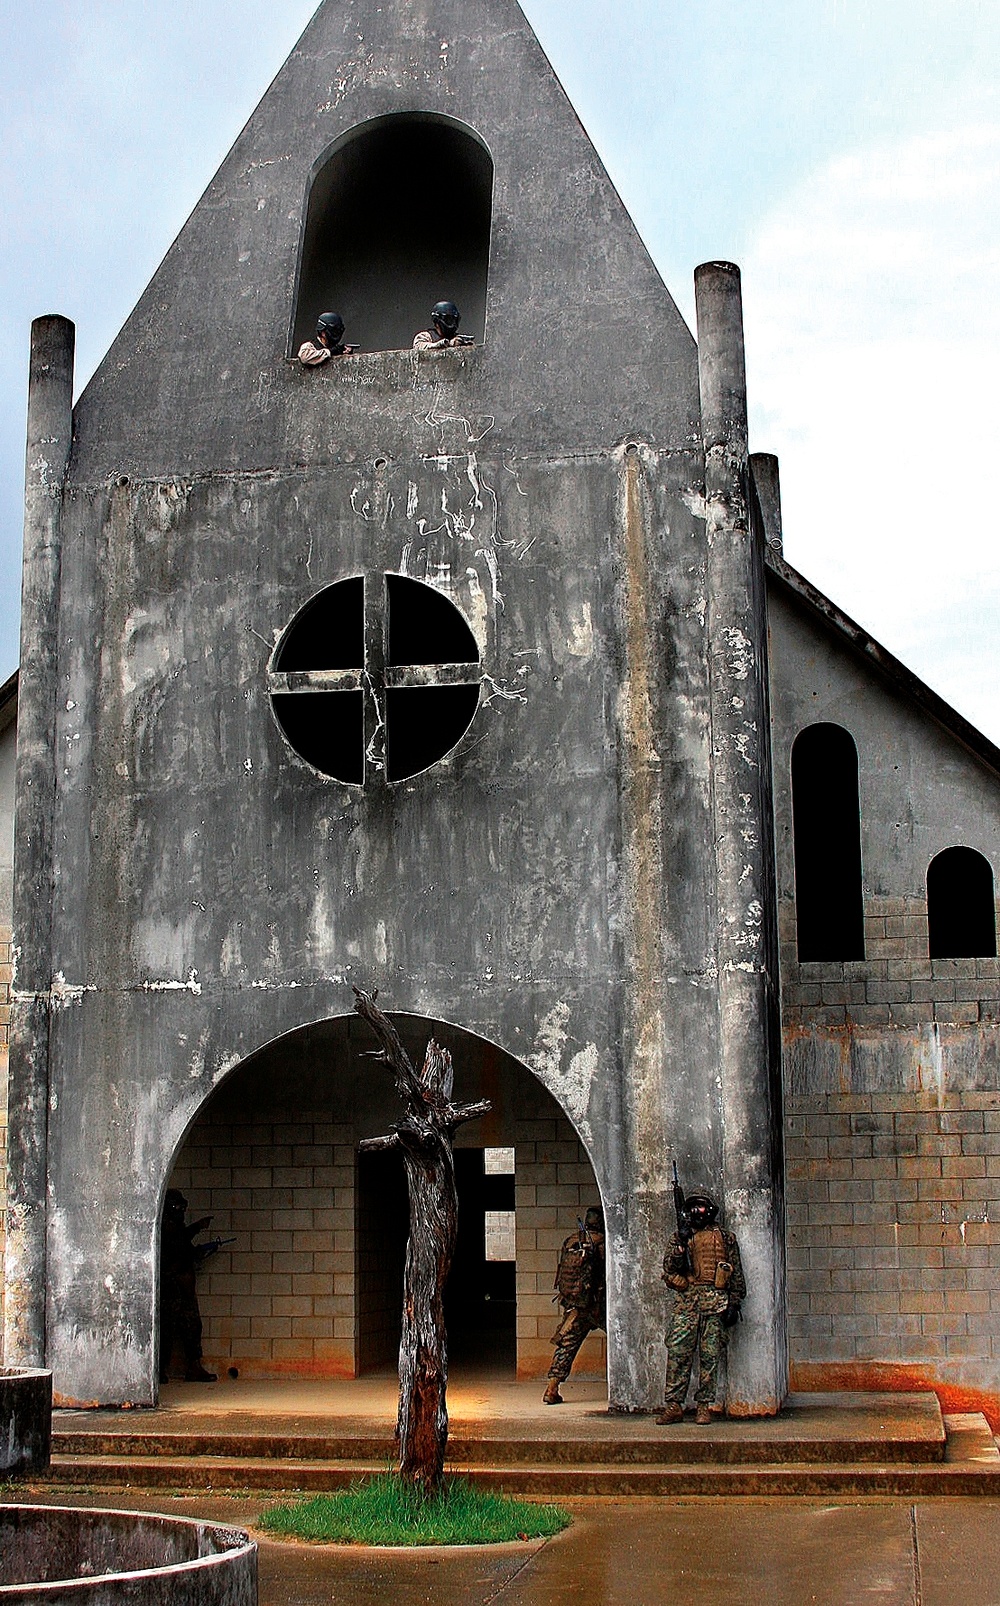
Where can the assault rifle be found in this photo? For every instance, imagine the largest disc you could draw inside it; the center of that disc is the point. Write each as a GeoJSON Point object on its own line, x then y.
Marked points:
{"type": "Point", "coordinates": [685, 1231]}
{"type": "Point", "coordinates": [211, 1248]}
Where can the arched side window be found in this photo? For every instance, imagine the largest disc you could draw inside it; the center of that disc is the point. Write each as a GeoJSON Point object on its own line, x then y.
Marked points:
{"type": "Point", "coordinates": [961, 913]}
{"type": "Point", "coordinates": [398, 219]}
{"type": "Point", "coordinates": [826, 822]}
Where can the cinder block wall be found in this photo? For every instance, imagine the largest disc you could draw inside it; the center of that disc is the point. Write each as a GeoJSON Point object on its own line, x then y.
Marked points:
{"type": "Point", "coordinates": [892, 1142]}
{"type": "Point", "coordinates": [553, 1185]}
{"type": "Point", "coordinates": [281, 1299]}
{"type": "Point", "coordinates": [896, 984]}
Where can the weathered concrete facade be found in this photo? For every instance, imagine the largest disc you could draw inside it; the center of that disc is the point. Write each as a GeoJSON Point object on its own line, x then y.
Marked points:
{"type": "Point", "coordinates": [189, 890]}
{"type": "Point", "coordinates": [891, 1060]}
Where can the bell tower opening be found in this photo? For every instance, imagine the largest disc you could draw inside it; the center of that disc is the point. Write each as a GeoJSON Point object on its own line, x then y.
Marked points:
{"type": "Point", "coordinates": [398, 219]}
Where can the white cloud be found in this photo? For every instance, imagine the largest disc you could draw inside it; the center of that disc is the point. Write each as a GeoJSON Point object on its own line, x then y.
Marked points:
{"type": "Point", "coordinates": [873, 333]}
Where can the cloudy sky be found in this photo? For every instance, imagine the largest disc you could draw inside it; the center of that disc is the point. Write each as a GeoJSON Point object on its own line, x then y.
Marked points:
{"type": "Point", "coordinates": [845, 152]}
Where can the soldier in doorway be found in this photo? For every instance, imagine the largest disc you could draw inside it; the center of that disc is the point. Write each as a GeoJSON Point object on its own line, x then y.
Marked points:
{"type": "Point", "coordinates": [581, 1290]}
{"type": "Point", "coordinates": [180, 1317]}
{"type": "Point", "coordinates": [445, 319]}
{"type": "Point", "coordinates": [703, 1268]}
{"type": "Point", "coordinates": [329, 341]}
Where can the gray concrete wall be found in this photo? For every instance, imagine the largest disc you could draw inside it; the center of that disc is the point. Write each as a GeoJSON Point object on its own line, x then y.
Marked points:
{"type": "Point", "coordinates": [8, 750]}
{"type": "Point", "coordinates": [550, 886]}
{"type": "Point", "coordinates": [892, 1063]}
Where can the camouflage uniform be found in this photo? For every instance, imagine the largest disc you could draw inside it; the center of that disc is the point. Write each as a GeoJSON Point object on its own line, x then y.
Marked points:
{"type": "Point", "coordinates": [699, 1308]}
{"type": "Point", "coordinates": [582, 1297]}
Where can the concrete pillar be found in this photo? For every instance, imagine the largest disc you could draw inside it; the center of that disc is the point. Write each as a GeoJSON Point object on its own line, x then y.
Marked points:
{"type": "Point", "coordinates": [743, 821]}
{"type": "Point", "coordinates": [50, 438]}
{"type": "Point", "coordinates": [764, 467]}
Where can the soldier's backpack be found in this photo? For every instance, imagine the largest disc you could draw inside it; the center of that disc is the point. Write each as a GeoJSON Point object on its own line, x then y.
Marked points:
{"type": "Point", "coordinates": [578, 1275]}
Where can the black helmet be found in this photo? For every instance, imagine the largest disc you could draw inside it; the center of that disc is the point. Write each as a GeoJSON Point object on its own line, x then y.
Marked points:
{"type": "Point", "coordinates": [447, 315]}
{"type": "Point", "coordinates": [175, 1200]}
{"type": "Point", "coordinates": [594, 1219]}
{"type": "Point", "coordinates": [330, 324]}
{"type": "Point", "coordinates": [701, 1200]}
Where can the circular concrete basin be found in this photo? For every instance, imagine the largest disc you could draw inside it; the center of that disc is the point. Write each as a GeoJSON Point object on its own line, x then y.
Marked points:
{"type": "Point", "coordinates": [25, 1420]}
{"type": "Point", "coordinates": [61, 1554]}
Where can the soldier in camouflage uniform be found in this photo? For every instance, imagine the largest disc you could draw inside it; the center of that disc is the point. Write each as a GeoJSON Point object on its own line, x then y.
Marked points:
{"type": "Point", "coordinates": [580, 1285]}
{"type": "Point", "coordinates": [706, 1275]}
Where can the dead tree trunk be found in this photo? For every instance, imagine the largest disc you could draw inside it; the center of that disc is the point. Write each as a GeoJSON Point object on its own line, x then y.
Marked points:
{"type": "Point", "coordinates": [424, 1136]}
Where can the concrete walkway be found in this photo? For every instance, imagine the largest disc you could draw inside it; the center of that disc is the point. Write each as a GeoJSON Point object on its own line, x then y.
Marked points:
{"type": "Point", "coordinates": [645, 1553]}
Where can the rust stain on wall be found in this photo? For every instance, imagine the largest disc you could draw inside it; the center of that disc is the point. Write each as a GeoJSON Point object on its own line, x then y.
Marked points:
{"type": "Point", "coordinates": [868, 1377]}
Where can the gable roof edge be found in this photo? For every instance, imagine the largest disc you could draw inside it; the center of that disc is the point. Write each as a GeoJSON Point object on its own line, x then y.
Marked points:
{"type": "Point", "coordinates": [879, 658]}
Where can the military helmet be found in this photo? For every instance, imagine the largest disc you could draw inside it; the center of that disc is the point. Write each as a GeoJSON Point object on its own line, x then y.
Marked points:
{"type": "Point", "coordinates": [701, 1197]}
{"type": "Point", "coordinates": [447, 315]}
{"type": "Point", "coordinates": [330, 324]}
{"type": "Point", "coordinates": [594, 1219]}
{"type": "Point", "coordinates": [175, 1200]}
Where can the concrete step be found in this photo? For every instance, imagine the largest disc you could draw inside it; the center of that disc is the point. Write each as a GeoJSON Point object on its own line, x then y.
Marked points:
{"type": "Point", "coordinates": [891, 1445]}
{"type": "Point", "coordinates": [812, 1429]}
{"type": "Point", "coordinates": [682, 1445]}
{"type": "Point", "coordinates": [970, 1438]}
{"type": "Point", "coordinates": [897, 1480]}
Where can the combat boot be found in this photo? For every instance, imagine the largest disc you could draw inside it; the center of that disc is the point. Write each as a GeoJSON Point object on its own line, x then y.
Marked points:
{"type": "Point", "coordinates": [198, 1374]}
{"type": "Point", "coordinates": [670, 1413]}
{"type": "Point", "coordinates": [552, 1395]}
{"type": "Point", "coordinates": [705, 1416]}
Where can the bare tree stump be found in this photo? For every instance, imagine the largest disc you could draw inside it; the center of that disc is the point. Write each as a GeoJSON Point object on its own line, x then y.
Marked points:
{"type": "Point", "coordinates": [424, 1136]}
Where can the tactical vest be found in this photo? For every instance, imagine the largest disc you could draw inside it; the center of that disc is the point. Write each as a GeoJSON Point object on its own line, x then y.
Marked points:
{"type": "Point", "coordinates": [707, 1249]}
{"type": "Point", "coordinates": [579, 1275]}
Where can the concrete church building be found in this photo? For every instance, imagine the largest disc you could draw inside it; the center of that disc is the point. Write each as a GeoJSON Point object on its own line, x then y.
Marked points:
{"type": "Point", "coordinates": [476, 675]}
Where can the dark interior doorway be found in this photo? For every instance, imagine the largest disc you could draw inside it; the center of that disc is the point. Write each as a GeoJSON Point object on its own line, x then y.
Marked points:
{"type": "Point", "coordinates": [398, 219]}
{"type": "Point", "coordinates": [480, 1297]}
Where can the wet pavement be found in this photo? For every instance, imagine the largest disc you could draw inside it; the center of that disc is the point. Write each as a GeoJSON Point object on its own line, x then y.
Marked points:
{"type": "Point", "coordinates": [643, 1553]}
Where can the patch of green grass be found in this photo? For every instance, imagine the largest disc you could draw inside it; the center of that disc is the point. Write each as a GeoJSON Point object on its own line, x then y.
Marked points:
{"type": "Point", "coordinates": [385, 1511]}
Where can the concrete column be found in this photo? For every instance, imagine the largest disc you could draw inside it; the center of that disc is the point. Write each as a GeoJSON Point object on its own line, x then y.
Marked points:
{"type": "Point", "coordinates": [743, 820]}
{"type": "Point", "coordinates": [50, 438]}
{"type": "Point", "coordinates": [764, 467]}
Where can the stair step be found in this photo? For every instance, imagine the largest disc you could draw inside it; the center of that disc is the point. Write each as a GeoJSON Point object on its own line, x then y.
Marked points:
{"type": "Point", "coordinates": [666, 1446]}
{"type": "Point", "coordinates": [970, 1438]}
{"type": "Point", "coordinates": [214, 1473]}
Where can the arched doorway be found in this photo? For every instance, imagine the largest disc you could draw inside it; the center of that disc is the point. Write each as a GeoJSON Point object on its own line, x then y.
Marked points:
{"type": "Point", "coordinates": [398, 218]}
{"type": "Point", "coordinates": [311, 1286]}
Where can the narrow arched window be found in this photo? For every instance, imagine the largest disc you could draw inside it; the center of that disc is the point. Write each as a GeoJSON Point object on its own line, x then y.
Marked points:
{"type": "Point", "coordinates": [961, 913]}
{"type": "Point", "coordinates": [398, 219]}
{"type": "Point", "coordinates": [826, 823]}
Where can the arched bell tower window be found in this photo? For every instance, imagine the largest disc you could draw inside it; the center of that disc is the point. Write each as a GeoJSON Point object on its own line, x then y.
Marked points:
{"type": "Point", "coordinates": [826, 824]}
{"type": "Point", "coordinates": [961, 914]}
{"type": "Point", "coordinates": [398, 218]}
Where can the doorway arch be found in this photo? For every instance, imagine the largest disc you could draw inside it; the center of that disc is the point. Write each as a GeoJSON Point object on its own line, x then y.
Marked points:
{"type": "Point", "coordinates": [398, 218]}
{"type": "Point", "coordinates": [310, 1288]}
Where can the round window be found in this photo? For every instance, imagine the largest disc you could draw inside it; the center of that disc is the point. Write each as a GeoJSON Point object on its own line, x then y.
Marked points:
{"type": "Point", "coordinates": [377, 675]}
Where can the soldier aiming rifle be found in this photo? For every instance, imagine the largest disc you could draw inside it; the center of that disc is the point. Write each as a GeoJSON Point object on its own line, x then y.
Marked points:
{"type": "Point", "coordinates": [702, 1266]}
{"type": "Point", "coordinates": [580, 1290]}
{"type": "Point", "coordinates": [180, 1258]}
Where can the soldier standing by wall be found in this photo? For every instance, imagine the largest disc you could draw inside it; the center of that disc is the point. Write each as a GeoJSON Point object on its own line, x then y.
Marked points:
{"type": "Point", "coordinates": [702, 1265]}
{"type": "Point", "coordinates": [180, 1317]}
{"type": "Point", "coordinates": [581, 1287]}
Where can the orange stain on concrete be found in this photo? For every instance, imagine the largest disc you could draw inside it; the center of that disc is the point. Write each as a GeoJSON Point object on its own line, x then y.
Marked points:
{"type": "Point", "coordinates": [867, 1377]}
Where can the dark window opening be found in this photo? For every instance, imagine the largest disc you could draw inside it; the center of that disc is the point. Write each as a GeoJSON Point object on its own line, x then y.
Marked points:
{"type": "Point", "coordinates": [425, 627]}
{"type": "Point", "coordinates": [327, 729]}
{"type": "Point", "coordinates": [961, 912]}
{"type": "Point", "coordinates": [826, 823]}
{"type": "Point", "coordinates": [328, 633]}
{"type": "Point", "coordinates": [342, 702]}
{"type": "Point", "coordinates": [423, 723]}
{"type": "Point", "coordinates": [398, 219]}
